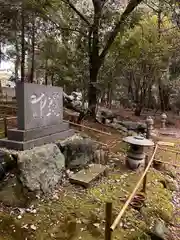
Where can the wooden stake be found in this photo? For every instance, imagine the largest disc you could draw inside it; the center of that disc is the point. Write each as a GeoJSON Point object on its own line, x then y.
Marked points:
{"type": "Point", "coordinates": [145, 177]}
{"type": "Point", "coordinates": [108, 221]}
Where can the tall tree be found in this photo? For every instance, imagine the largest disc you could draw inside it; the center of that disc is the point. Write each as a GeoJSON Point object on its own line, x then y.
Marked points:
{"type": "Point", "coordinates": [96, 52]}
{"type": "Point", "coordinates": [33, 49]}
{"type": "Point", "coordinates": [23, 52]}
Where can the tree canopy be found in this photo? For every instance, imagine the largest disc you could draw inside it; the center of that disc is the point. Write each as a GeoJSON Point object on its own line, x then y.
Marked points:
{"type": "Point", "coordinates": [124, 50]}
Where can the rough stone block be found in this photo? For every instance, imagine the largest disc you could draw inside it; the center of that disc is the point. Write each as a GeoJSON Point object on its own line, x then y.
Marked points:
{"type": "Point", "coordinates": [78, 151]}
{"type": "Point", "coordinates": [41, 168]}
{"type": "Point", "coordinates": [26, 135]}
{"type": "Point", "coordinates": [86, 176]}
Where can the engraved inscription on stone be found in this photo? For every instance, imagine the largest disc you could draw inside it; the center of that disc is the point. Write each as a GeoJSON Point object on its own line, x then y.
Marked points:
{"type": "Point", "coordinates": [44, 106]}
{"type": "Point", "coordinates": [38, 105]}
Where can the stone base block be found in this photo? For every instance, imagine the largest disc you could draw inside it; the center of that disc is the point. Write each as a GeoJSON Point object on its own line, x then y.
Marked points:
{"type": "Point", "coordinates": [30, 134]}
{"type": "Point", "coordinates": [134, 164]}
{"type": "Point", "coordinates": [21, 146]}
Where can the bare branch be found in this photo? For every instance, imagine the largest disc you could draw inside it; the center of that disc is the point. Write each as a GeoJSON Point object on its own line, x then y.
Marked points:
{"type": "Point", "coordinates": [118, 27]}
{"type": "Point", "coordinates": [76, 11]}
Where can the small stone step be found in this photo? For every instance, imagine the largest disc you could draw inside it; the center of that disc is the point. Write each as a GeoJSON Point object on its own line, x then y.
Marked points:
{"type": "Point", "coordinates": [86, 176]}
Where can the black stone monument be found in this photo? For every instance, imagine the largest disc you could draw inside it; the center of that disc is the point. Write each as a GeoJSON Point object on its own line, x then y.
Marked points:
{"type": "Point", "coordinates": [39, 117]}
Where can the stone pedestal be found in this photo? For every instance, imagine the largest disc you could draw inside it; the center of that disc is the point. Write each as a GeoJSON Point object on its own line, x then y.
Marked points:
{"type": "Point", "coordinates": [135, 156]}
{"type": "Point", "coordinates": [26, 139]}
{"type": "Point", "coordinates": [39, 117]}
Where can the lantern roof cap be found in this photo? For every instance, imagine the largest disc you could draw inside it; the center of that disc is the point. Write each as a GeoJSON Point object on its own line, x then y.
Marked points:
{"type": "Point", "coordinates": [138, 140]}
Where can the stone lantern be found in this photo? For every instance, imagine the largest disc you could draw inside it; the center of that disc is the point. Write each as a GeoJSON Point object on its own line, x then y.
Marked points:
{"type": "Point", "coordinates": [163, 120]}
{"type": "Point", "coordinates": [136, 153]}
{"type": "Point", "coordinates": [150, 123]}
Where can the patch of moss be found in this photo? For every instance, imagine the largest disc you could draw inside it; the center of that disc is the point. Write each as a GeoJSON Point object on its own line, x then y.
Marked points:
{"type": "Point", "coordinates": [10, 229]}
{"type": "Point", "coordinates": [158, 203]}
{"type": "Point", "coordinates": [80, 215]}
{"type": "Point", "coordinates": [12, 193]}
{"type": "Point", "coordinates": [177, 220]}
{"type": "Point", "coordinates": [121, 147]}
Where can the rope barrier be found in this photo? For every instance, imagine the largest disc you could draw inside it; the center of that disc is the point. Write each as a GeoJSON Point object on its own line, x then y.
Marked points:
{"type": "Point", "coordinates": [118, 218]}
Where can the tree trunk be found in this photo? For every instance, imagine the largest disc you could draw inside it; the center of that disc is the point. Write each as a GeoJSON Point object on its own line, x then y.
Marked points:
{"type": "Point", "coordinates": [17, 60]}
{"type": "Point", "coordinates": [52, 79]}
{"type": "Point", "coordinates": [141, 102]}
{"type": "Point", "coordinates": [0, 64]}
{"type": "Point", "coordinates": [0, 53]}
{"type": "Point", "coordinates": [94, 59]}
{"type": "Point", "coordinates": [138, 110]}
{"type": "Point", "coordinates": [23, 52]}
{"type": "Point", "coordinates": [46, 78]}
{"type": "Point", "coordinates": [166, 98]}
{"type": "Point", "coordinates": [92, 92]}
{"type": "Point", "coordinates": [46, 72]}
{"type": "Point", "coordinates": [130, 91]}
{"type": "Point", "coordinates": [150, 103]}
{"type": "Point", "coordinates": [109, 95]}
{"type": "Point", "coordinates": [161, 98]}
{"type": "Point", "coordinates": [137, 95]}
{"type": "Point", "coordinates": [33, 51]}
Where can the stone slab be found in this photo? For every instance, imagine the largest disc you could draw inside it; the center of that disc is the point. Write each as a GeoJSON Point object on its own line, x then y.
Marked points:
{"type": "Point", "coordinates": [26, 135]}
{"type": "Point", "coordinates": [38, 105]}
{"type": "Point", "coordinates": [21, 146]}
{"type": "Point", "coordinates": [86, 176]}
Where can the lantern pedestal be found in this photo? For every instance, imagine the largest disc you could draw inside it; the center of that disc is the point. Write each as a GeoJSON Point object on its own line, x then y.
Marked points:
{"type": "Point", "coordinates": [136, 154]}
